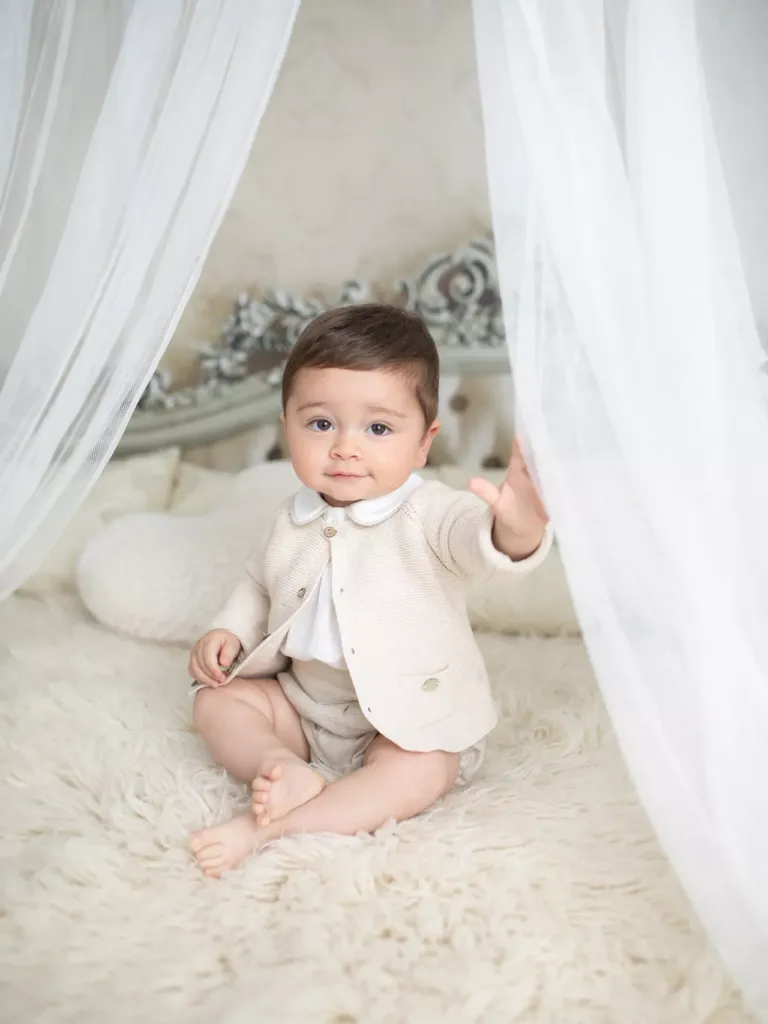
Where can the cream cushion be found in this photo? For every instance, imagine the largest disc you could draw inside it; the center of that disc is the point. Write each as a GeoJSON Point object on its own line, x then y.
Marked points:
{"type": "Point", "coordinates": [141, 484]}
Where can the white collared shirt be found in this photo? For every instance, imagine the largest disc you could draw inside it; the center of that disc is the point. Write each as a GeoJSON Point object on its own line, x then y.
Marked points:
{"type": "Point", "coordinates": [315, 635]}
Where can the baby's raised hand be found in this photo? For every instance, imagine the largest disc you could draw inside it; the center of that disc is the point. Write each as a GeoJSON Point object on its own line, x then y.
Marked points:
{"type": "Point", "coordinates": [211, 655]}
{"type": "Point", "coordinates": [519, 516]}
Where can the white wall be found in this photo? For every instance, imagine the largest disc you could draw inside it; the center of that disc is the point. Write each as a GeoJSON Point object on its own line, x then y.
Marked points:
{"type": "Point", "coordinates": [368, 160]}
{"type": "Point", "coordinates": [370, 155]}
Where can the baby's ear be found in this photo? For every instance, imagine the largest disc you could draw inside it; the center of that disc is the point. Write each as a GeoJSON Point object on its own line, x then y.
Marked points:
{"type": "Point", "coordinates": [426, 443]}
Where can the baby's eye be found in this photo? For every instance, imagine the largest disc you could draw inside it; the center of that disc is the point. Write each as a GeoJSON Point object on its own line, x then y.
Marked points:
{"type": "Point", "coordinates": [320, 425]}
{"type": "Point", "coordinates": [379, 429]}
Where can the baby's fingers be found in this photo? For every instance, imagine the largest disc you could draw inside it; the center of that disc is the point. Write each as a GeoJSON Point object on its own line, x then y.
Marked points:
{"type": "Point", "coordinates": [196, 669]}
{"type": "Point", "coordinates": [208, 666]}
{"type": "Point", "coordinates": [228, 651]}
{"type": "Point", "coordinates": [484, 490]}
{"type": "Point", "coordinates": [200, 676]}
{"type": "Point", "coordinates": [211, 663]}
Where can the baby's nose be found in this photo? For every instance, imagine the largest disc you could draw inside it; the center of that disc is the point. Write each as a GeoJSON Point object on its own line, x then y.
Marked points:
{"type": "Point", "coordinates": [345, 446]}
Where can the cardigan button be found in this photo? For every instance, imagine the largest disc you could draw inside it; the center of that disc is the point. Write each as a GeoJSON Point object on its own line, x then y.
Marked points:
{"type": "Point", "coordinates": [302, 592]}
{"type": "Point", "coordinates": [430, 684]}
{"type": "Point", "coordinates": [330, 531]}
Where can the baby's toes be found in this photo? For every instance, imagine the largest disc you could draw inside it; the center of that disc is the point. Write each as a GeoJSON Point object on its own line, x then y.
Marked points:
{"type": "Point", "coordinates": [199, 841]}
{"type": "Point", "coordinates": [271, 772]}
{"type": "Point", "coordinates": [212, 857]}
{"type": "Point", "coordinates": [260, 813]}
{"type": "Point", "coordinates": [258, 808]}
{"type": "Point", "coordinates": [212, 860]}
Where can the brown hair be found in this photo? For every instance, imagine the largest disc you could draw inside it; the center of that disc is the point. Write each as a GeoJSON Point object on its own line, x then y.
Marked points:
{"type": "Point", "coordinates": [369, 337]}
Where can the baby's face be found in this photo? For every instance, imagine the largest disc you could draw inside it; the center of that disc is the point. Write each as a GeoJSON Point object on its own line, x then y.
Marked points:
{"type": "Point", "coordinates": [355, 434]}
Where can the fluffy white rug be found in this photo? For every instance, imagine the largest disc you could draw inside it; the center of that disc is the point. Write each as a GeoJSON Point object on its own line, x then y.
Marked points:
{"type": "Point", "coordinates": [538, 895]}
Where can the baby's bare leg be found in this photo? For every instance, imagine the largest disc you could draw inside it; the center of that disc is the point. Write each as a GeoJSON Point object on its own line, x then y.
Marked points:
{"type": "Point", "coordinates": [247, 722]}
{"type": "Point", "coordinates": [393, 783]}
{"type": "Point", "coordinates": [252, 729]}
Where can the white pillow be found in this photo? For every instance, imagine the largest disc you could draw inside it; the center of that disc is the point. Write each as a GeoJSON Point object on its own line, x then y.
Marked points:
{"type": "Point", "coordinates": [198, 489]}
{"type": "Point", "coordinates": [164, 577]}
{"type": "Point", "coordinates": [142, 483]}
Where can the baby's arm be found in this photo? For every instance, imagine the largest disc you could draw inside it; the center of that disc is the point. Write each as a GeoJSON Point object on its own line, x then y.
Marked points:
{"type": "Point", "coordinates": [520, 520]}
{"type": "Point", "coordinates": [237, 628]}
{"type": "Point", "coordinates": [464, 541]}
{"type": "Point", "coordinates": [510, 531]}
{"type": "Point", "coordinates": [245, 613]}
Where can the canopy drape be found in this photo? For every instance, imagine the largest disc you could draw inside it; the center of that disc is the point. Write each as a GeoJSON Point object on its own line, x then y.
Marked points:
{"type": "Point", "coordinates": [625, 217]}
{"type": "Point", "coordinates": [124, 127]}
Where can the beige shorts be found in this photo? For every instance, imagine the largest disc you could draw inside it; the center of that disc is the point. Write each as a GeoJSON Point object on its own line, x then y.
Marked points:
{"type": "Point", "coordinates": [337, 731]}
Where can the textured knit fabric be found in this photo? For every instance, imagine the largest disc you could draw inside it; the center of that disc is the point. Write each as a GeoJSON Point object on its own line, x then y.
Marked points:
{"type": "Point", "coordinates": [338, 733]}
{"type": "Point", "coordinates": [405, 634]}
{"type": "Point", "coordinates": [315, 635]}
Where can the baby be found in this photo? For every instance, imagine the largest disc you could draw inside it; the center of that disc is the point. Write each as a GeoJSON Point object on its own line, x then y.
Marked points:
{"type": "Point", "coordinates": [342, 680]}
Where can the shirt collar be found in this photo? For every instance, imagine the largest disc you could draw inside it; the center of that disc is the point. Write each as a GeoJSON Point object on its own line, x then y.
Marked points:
{"type": "Point", "coordinates": [308, 505]}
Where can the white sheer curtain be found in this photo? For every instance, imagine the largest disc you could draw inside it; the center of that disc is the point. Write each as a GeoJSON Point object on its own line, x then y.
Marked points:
{"type": "Point", "coordinates": [638, 368]}
{"type": "Point", "coordinates": [124, 127]}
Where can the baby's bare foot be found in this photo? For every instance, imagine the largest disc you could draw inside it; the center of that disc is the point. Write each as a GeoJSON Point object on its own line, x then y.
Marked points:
{"type": "Point", "coordinates": [222, 848]}
{"type": "Point", "coordinates": [281, 786]}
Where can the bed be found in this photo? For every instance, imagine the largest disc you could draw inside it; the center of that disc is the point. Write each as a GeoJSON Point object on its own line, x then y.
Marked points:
{"type": "Point", "coordinates": [538, 895]}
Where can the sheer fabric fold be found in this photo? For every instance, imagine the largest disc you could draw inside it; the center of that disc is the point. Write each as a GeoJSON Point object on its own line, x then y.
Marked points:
{"type": "Point", "coordinates": [124, 127]}
{"type": "Point", "coordinates": [630, 263]}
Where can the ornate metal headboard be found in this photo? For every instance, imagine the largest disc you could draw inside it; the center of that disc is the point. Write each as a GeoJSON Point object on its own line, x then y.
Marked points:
{"type": "Point", "coordinates": [238, 386]}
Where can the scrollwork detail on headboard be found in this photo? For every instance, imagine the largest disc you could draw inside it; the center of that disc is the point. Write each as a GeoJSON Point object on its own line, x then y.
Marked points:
{"type": "Point", "coordinates": [456, 293]}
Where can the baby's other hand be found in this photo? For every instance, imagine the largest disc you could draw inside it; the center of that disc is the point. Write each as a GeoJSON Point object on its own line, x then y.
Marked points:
{"type": "Point", "coordinates": [213, 653]}
{"type": "Point", "coordinates": [519, 516]}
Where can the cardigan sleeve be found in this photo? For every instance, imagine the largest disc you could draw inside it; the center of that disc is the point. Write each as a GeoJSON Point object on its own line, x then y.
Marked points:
{"type": "Point", "coordinates": [461, 538]}
{"type": "Point", "coordinates": [246, 612]}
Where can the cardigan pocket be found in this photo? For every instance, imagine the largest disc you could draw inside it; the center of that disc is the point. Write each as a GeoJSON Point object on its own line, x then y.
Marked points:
{"type": "Point", "coordinates": [427, 696]}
